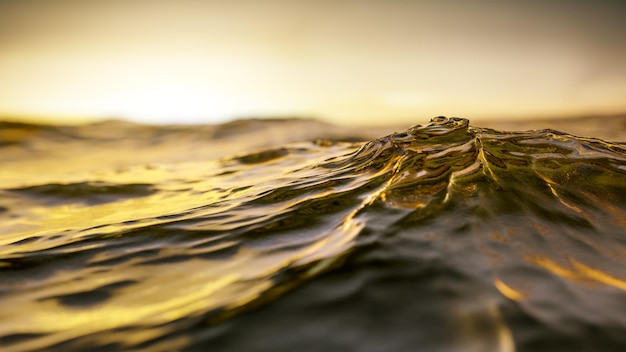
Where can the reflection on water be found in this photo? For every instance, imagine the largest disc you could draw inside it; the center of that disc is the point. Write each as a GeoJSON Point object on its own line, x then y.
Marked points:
{"type": "Point", "coordinates": [443, 237]}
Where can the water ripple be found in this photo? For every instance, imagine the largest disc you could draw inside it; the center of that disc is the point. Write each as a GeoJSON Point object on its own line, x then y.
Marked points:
{"type": "Point", "coordinates": [445, 236]}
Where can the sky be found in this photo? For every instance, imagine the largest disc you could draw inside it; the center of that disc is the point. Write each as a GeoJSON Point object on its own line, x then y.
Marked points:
{"type": "Point", "coordinates": [348, 62]}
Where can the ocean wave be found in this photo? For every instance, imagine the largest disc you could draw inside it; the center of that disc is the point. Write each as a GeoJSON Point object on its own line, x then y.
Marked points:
{"type": "Point", "coordinates": [443, 237]}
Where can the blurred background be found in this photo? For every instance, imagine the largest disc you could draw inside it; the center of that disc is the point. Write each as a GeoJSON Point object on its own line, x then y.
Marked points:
{"type": "Point", "coordinates": [366, 62]}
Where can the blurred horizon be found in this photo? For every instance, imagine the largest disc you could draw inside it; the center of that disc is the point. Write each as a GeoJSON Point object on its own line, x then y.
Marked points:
{"type": "Point", "coordinates": [477, 121]}
{"type": "Point", "coordinates": [368, 62]}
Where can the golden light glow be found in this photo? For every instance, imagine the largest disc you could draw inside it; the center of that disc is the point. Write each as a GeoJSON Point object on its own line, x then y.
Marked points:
{"type": "Point", "coordinates": [507, 291]}
{"type": "Point", "coordinates": [371, 62]}
{"type": "Point", "coordinates": [600, 276]}
{"type": "Point", "coordinates": [579, 272]}
{"type": "Point", "coordinates": [181, 289]}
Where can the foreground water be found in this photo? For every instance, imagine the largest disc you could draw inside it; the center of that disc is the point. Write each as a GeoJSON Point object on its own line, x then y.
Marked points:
{"type": "Point", "coordinates": [444, 237]}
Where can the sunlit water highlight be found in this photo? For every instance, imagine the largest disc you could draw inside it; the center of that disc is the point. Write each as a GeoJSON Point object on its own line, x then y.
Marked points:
{"type": "Point", "coordinates": [444, 237]}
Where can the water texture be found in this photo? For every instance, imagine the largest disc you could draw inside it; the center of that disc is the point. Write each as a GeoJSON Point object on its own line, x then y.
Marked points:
{"type": "Point", "coordinates": [444, 237]}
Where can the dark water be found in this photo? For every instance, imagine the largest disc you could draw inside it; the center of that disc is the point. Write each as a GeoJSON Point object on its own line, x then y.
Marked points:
{"type": "Point", "coordinates": [444, 237]}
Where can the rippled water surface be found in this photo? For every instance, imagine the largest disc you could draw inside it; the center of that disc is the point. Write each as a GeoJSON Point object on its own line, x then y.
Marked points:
{"type": "Point", "coordinates": [443, 237]}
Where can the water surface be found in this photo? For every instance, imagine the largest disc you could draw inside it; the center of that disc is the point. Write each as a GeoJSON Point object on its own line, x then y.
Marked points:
{"type": "Point", "coordinates": [443, 237]}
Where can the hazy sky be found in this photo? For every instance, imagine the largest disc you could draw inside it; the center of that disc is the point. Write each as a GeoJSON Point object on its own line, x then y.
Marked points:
{"type": "Point", "coordinates": [376, 61]}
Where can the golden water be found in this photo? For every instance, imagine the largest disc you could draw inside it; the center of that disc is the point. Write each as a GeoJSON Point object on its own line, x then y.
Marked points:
{"type": "Point", "coordinates": [444, 237]}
